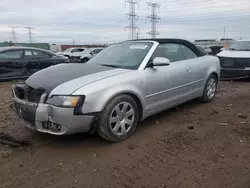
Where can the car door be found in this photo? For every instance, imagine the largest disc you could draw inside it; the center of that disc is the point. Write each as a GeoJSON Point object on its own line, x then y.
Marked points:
{"type": "Point", "coordinates": [10, 64]}
{"type": "Point", "coordinates": [167, 86]}
{"type": "Point", "coordinates": [35, 60]}
{"type": "Point", "coordinates": [196, 67]}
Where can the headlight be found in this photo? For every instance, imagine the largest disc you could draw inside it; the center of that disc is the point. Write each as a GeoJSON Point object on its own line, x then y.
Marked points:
{"type": "Point", "coordinates": [64, 101]}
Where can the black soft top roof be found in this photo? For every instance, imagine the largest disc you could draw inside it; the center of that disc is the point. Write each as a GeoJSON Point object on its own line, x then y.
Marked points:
{"type": "Point", "coordinates": [194, 48]}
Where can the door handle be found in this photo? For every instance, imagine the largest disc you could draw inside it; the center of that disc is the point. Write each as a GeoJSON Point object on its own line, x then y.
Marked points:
{"type": "Point", "coordinates": [188, 69]}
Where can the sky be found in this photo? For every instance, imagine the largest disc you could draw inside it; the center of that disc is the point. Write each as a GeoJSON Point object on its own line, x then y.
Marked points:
{"type": "Point", "coordinates": [104, 21]}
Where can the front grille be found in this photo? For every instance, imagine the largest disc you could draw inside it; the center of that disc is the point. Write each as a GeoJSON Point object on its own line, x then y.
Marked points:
{"type": "Point", "coordinates": [24, 92]}
{"type": "Point", "coordinates": [75, 59]}
{"type": "Point", "coordinates": [234, 63]}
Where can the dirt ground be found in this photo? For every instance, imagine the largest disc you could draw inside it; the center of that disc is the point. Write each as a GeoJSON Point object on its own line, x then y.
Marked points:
{"type": "Point", "coordinates": [194, 145]}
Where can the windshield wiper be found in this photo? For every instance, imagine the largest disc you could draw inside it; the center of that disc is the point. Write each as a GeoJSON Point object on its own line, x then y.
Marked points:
{"type": "Point", "coordinates": [244, 50]}
{"type": "Point", "coordinates": [114, 66]}
{"type": "Point", "coordinates": [233, 49]}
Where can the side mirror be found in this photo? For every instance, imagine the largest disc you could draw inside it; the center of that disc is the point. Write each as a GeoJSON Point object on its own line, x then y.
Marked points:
{"type": "Point", "coordinates": [160, 61]}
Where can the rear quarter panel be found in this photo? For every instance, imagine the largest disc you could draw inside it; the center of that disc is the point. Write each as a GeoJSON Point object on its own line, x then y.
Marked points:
{"type": "Point", "coordinates": [212, 65]}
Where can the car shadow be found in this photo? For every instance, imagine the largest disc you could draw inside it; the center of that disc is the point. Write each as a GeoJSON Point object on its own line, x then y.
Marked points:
{"type": "Point", "coordinates": [68, 141]}
{"type": "Point", "coordinates": [162, 116]}
{"type": "Point", "coordinates": [94, 140]}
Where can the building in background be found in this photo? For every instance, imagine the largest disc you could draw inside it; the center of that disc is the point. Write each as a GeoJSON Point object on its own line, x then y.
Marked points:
{"type": "Point", "coordinates": [212, 46]}
{"type": "Point", "coordinates": [61, 48]}
{"type": "Point", "coordinates": [45, 46]}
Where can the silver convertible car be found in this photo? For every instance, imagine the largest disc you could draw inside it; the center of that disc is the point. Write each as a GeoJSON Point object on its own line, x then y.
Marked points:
{"type": "Point", "coordinates": [122, 85]}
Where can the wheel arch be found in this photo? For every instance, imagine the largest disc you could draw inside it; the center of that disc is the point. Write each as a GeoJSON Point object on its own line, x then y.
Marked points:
{"type": "Point", "coordinates": [131, 94]}
{"type": "Point", "coordinates": [212, 71]}
{"type": "Point", "coordinates": [217, 76]}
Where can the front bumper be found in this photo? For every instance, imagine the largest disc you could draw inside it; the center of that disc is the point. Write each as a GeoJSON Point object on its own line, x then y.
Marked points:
{"type": "Point", "coordinates": [228, 73]}
{"type": "Point", "coordinates": [75, 59]}
{"type": "Point", "coordinates": [50, 119]}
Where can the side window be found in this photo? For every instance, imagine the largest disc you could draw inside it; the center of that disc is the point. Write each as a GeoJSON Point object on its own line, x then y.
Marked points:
{"type": "Point", "coordinates": [171, 51]}
{"type": "Point", "coordinates": [14, 54]}
{"type": "Point", "coordinates": [94, 52]}
{"type": "Point", "coordinates": [28, 53]}
{"type": "Point", "coordinates": [35, 54]}
{"type": "Point", "coordinates": [77, 50]}
{"type": "Point", "coordinates": [188, 53]}
{"type": "Point", "coordinates": [97, 51]}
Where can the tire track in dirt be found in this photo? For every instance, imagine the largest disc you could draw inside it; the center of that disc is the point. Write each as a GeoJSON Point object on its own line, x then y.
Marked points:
{"type": "Point", "coordinates": [162, 153]}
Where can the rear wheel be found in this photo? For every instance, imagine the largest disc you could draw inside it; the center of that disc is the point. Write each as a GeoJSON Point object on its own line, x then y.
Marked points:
{"type": "Point", "coordinates": [119, 119]}
{"type": "Point", "coordinates": [210, 88]}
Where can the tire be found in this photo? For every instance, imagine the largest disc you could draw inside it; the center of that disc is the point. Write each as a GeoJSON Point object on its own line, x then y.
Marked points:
{"type": "Point", "coordinates": [211, 85]}
{"type": "Point", "coordinates": [84, 60]}
{"type": "Point", "coordinates": [118, 130]}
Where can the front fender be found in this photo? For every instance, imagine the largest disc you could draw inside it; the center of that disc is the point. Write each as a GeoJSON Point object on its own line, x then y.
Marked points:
{"type": "Point", "coordinates": [97, 100]}
{"type": "Point", "coordinates": [85, 56]}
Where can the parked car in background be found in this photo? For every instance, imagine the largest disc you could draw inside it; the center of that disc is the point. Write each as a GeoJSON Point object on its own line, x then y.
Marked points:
{"type": "Point", "coordinates": [205, 52]}
{"type": "Point", "coordinates": [21, 62]}
{"type": "Point", "coordinates": [235, 61]}
{"type": "Point", "coordinates": [70, 51]}
{"type": "Point", "coordinates": [86, 55]}
{"type": "Point", "coordinates": [122, 85]}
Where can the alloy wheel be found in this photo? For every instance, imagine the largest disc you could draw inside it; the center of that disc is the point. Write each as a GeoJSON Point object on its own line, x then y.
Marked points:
{"type": "Point", "coordinates": [122, 118]}
{"type": "Point", "coordinates": [211, 88]}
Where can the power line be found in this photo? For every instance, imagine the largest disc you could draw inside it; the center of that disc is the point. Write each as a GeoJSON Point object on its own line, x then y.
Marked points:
{"type": "Point", "coordinates": [13, 33]}
{"type": "Point", "coordinates": [132, 16]}
{"type": "Point", "coordinates": [30, 33]}
{"type": "Point", "coordinates": [154, 19]}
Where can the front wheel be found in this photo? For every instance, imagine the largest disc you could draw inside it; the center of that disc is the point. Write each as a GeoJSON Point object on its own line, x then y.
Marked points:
{"type": "Point", "coordinates": [210, 88]}
{"type": "Point", "coordinates": [119, 119]}
{"type": "Point", "coordinates": [84, 60]}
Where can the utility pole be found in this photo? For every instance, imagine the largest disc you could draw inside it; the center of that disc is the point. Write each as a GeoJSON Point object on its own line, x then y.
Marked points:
{"type": "Point", "coordinates": [30, 33]}
{"type": "Point", "coordinates": [132, 16]}
{"type": "Point", "coordinates": [73, 41]}
{"type": "Point", "coordinates": [154, 19]}
{"type": "Point", "coordinates": [224, 32]}
{"type": "Point", "coordinates": [13, 33]}
{"type": "Point", "coordinates": [137, 35]}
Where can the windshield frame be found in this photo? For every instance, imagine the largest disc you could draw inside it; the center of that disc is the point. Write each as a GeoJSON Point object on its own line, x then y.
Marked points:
{"type": "Point", "coordinates": [231, 46]}
{"type": "Point", "coordinates": [144, 61]}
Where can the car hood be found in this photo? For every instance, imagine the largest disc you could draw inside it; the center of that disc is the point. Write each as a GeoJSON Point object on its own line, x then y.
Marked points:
{"type": "Point", "coordinates": [234, 54]}
{"type": "Point", "coordinates": [66, 78]}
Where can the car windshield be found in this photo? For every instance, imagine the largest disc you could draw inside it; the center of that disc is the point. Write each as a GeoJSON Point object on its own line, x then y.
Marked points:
{"type": "Point", "coordinates": [127, 55]}
{"type": "Point", "coordinates": [87, 51]}
{"type": "Point", "coordinates": [68, 50]}
{"type": "Point", "coordinates": [240, 46]}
